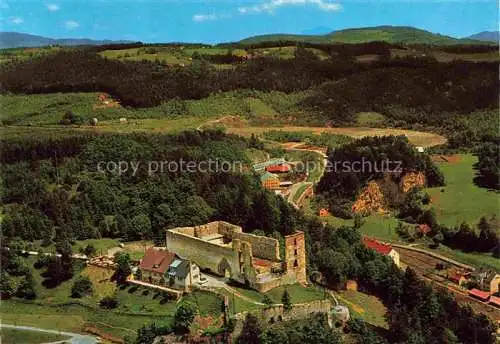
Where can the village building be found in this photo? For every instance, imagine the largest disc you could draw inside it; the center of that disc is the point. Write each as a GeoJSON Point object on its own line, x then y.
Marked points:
{"type": "Point", "coordinates": [261, 166]}
{"type": "Point", "coordinates": [457, 277]}
{"type": "Point", "coordinates": [270, 181]}
{"type": "Point", "coordinates": [382, 248]}
{"type": "Point", "coordinates": [223, 249]}
{"type": "Point", "coordinates": [479, 294]}
{"type": "Point", "coordinates": [164, 268]}
{"type": "Point", "coordinates": [495, 301]}
{"type": "Point", "coordinates": [323, 212]}
{"type": "Point", "coordinates": [281, 168]}
{"type": "Point", "coordinates": [487, 280]}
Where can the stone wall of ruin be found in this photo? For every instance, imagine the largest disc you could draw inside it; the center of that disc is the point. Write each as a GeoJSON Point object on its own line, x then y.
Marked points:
{"type": "Point", "coordinates": [298, 311]}
{"type": "Point", "coordinates": [205, 254]}
{"type": "Point", "coordinates": [262, 247]}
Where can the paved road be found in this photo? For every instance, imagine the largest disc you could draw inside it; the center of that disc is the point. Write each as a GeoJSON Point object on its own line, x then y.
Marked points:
{"type": "Point", "coordinates": [75, 338]}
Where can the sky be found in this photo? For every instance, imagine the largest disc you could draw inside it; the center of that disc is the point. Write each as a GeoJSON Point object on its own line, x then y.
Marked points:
{"type": "Point", "coordinates": [213, 21]}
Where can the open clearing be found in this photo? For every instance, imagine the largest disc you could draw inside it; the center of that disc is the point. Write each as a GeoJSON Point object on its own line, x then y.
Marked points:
{"type": "Point", "coordinates": [417, 138]}
{"type": "Point", "coordinates": [364, 306]}
{"type": "Point", "coordinates": [15, 336]}
{"type": "Point", "coordinates": [461, 200]}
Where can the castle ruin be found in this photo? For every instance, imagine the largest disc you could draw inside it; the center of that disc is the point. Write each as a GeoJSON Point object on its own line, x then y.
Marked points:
{"type": "Point", "coordinates": [223, 249]}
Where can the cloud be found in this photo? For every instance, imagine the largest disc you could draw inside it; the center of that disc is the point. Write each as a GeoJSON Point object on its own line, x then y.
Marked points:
{"type": "Point", "coordinates": [71, 24]}
{"type": "Point", "coordinates": [4, 5]}
{"type": "Point", "coordinates": [16, 20]}
{"type": "Point", "coordinates": [204, 17]}
{"type": "Point", "coordinates": [324, 5]}
{"type": "Point", "coordinates": [52, 7]}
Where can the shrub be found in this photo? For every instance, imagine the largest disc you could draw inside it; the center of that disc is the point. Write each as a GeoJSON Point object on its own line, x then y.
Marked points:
{"type": "Point", "coordinates": [109, 302]}
{"type": "Point", "coordinates": [82, 286]}
{"type": "Point", "coordinates": [184, 316]}
{"type": "Point", "coordinates": [26, 289]}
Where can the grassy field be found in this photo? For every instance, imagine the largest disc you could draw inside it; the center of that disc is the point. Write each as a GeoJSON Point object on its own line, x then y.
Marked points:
{"type": "Point", "coordinates": [415, 137]}
{"type": "Point", "coordinates": [364, 306]}
{"type": "Point", "coordinates": [298, 293]}
{"type": "Point", "coordinates": [20, 114]}
{"type": "Point", "coordinates": [13, 336]}
{"type": "Point", "coordinates": [285, 52]}
{"type": "Point", "coordinates": [167, 54]}
{"type": "Point", "coordinates": [461, 200]}
{"type": "Point", "coordinates": [368, 119]}
{"type": "Point", "coordinates": [55, 309]}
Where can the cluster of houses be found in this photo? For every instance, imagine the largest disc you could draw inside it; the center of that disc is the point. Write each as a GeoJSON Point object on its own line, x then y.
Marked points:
{"type": "Point", "coordinates": [270, 172]}
{"type": "Point", "coordinates": [486, 284]}
{"type": "Point", "coordinates": [275, 175]}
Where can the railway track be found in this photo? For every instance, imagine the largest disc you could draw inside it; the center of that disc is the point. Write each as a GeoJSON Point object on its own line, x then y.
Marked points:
{"type": "Point", "coordinates": [425, 265]}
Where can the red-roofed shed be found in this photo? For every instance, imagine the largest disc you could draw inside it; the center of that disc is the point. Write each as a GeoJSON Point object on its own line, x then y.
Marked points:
{"type": "Point", "coordinates": [478, 294]}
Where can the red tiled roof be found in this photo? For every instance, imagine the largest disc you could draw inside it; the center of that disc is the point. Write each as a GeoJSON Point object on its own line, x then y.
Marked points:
{"type": "Point", "coordinates": [261, 262]}
{"type": "Point", "coordinates": [424, 228]}
{"type": "Point", "coordinates": [156, 260]}
{"type": "Point", "coordinates": [455, 276]}
{"type": "Point", "coordinates": [377, 246]}
{"type": "Point", "coordinates": [278, 168]}
{"type": "Point", "coordinates": [483, 295]}
{"type": "Point", "coordinates": [495, 300]}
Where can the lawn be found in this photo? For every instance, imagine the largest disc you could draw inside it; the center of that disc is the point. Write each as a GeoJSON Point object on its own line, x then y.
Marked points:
{"type": "Point", "coordinates": [364, 306]}
{"type": "Point", "coordinates": [208, 303]}
{"type": "Point", "coordinates": [470, 258]}
{"type": "Point", "coordinates": [298, 293]}
{"type": "Point", "coordinates": [73, 318]}
{"type": "Point", "coordinates": [13, 336]}
{"type": "Point", "coordinates": [300, 191]}
{"type": "Point", "coordinates": [461, 200]}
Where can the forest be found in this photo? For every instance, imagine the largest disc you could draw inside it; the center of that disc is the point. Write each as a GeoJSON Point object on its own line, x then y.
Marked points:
{"type": "Point", "coordinates": [404, 89]}
{"type": "Point", "coordinates": [43, 192]}
{"type": "Point", "coordinates": [341, 184]}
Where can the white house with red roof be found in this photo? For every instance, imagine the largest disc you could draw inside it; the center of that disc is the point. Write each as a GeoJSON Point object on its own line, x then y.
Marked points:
{"type": "Point", "coordinates": [382, 248]}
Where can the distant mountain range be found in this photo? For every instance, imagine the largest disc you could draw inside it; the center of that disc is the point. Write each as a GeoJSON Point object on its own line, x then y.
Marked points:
{"type": "Point", "coordinates": [18, 40]}
{"type": "Point", "coordinates": [390, 34]}
{"type": "Point", "coordinates": [486, 36]}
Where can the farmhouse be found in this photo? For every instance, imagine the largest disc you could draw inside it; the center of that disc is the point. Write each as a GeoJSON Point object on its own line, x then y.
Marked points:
{"type": "Point", "coordinates": [382, 248]}
{"type": "Point", "coordinates": [256, 261]}
{"type": "Point", "coordinates": [165, 268]}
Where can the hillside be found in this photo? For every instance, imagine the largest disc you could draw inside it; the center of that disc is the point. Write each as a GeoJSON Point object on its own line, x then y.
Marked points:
{"type": "Point", "coordinates": [390, 34]}
{"type": "Point", "coordinates": [18, 40]}
{"type": "Point", "coordinates": [486, 36]}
